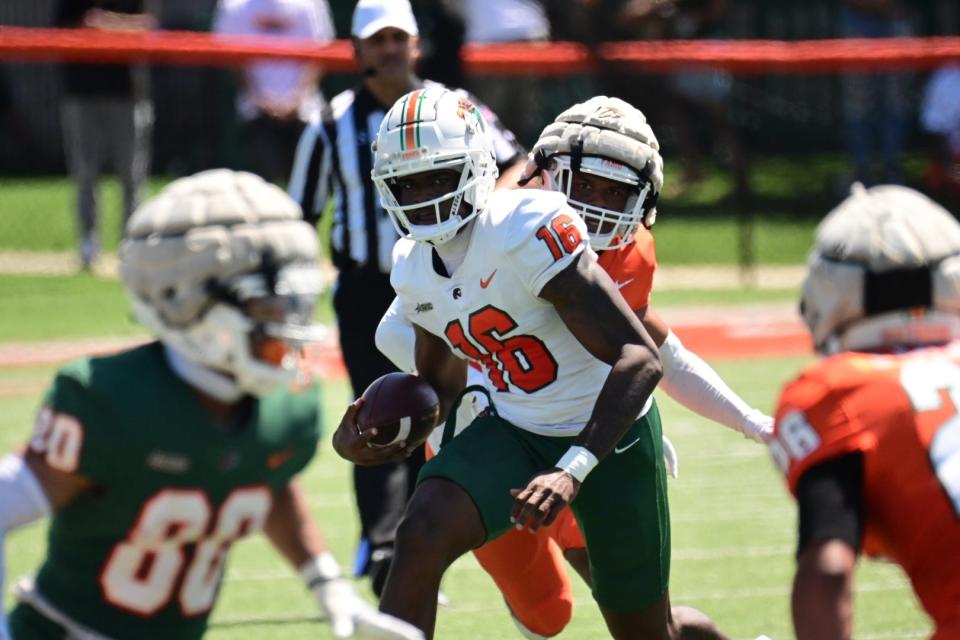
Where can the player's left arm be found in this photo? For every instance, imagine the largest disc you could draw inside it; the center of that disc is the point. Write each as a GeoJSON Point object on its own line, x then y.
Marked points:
{"type": "Point", "coordinates": [295, 534]}
{"type": "Point", "coordinates": [581, 293]}
{"type": "Point", "coordinates": [689, 380]}
{"type": "Point", "coordinates": [831, 521]}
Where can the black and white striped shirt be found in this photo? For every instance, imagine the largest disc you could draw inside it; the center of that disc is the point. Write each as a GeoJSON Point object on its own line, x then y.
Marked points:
{"type": "Point", "coordinates": [334, 160]}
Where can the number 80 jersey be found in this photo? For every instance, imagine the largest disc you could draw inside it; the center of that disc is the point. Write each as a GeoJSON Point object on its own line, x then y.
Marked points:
{"type": "Point", "coordinates": [488, 311]}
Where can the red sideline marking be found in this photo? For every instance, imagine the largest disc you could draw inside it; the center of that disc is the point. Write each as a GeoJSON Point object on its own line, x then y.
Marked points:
{"type": "Point", "coordinates": [719, 340]}
{"type": "Point", "coordinates": [324, 357]}
{"type": "Point", "coordinates": [326, 360]}
{"type": "Point", "coordinates": [739, 341]}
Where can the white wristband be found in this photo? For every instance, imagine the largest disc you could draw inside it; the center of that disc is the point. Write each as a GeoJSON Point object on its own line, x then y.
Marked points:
{"type": "Point", "coordinates": [319, 569]}
{"type": "Point", "coordinates": [578, 462]}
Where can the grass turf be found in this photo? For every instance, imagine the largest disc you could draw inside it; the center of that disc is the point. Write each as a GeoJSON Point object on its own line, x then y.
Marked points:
{"type": "Point", "coordinates": [38, 307]}
{"type": "Point", "coordinates": [733, 536]}
{"type": "Point", "coordinates": [697, 226]}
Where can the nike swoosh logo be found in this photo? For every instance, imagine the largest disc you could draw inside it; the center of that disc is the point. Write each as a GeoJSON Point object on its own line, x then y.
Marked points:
{"type": "Point", "coordinates": [484, 283]}
{"type": "Point", "coordinates": [621, 285]}
{"type": "Point", "coordinates": [622, 449]}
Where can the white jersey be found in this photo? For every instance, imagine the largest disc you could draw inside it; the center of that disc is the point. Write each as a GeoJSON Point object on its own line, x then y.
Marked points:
{"type": "Point", "coordinates": [488, 311]}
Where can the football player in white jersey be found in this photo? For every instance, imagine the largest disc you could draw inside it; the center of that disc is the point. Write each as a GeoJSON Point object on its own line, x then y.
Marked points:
{"type": "Point", "coordinates": [605, 158]}
{"type": "Point", "coordinates": [508, 281]}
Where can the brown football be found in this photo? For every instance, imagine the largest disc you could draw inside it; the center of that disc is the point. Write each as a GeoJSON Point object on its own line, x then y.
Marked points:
{"type": "Point", "coordinates": [400, 406]}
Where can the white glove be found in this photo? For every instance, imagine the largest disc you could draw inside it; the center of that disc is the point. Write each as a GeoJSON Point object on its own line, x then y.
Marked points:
{"type": "Point", "coordinates": [758, 426]}
{"type": "Point", "coordinates": [670, 458]}
{"type": "Point", "coordinates": [350, 615]}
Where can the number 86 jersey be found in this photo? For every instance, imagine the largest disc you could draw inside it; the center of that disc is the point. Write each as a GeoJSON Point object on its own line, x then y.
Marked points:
{"type": "Point", "coordinates": [900, 413]}
{"type": "Point", "coordinates": [488, 310]}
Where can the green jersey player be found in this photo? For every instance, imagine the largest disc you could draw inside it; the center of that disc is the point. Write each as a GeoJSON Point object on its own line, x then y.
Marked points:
{"type": "Point", "coordinates": [155, 460]}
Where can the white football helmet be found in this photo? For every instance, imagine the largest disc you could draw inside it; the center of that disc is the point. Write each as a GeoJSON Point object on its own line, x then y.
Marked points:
{"type": "Point", "coordinates": [884, 272]}
{"type": "Point", "coordinates": [425, 130]}
{"type": "Point", "coordinates": [218, 261]}
{"type": "Point", "coordinates": [610, 138]}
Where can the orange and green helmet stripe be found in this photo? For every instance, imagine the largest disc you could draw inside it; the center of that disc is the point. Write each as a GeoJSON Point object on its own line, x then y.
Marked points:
{"type": "Point", "coordinates": [411, 120]}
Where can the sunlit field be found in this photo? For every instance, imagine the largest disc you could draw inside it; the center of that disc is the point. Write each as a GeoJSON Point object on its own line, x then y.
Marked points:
{"type": "Point", "coordinates": [733, 536]}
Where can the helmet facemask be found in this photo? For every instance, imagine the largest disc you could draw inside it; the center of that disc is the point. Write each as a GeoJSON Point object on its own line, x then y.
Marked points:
{"type": "Point", "coordinates": [428, 130]}
{"type": "Point", "coordinates": [221, 267]}
{"type": "Point", "coordinates": [607, 228]}
{"type": "Point", "coordinates": [451, 210]}
{"type": "Point", "coordinates": [254, 330]}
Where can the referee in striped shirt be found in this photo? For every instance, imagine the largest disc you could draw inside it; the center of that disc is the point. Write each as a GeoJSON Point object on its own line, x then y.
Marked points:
{"type": "Point", "coordinates": [333, 161]}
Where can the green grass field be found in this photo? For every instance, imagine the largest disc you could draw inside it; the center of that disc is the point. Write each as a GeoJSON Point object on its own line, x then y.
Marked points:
{"type": "Point", "coordinates": [39, 307]}
{"type": "Point", "coordinates": [694, 227]}
{"type": "Point", "coordinates": [733, 536]}
{"type": "Point", "coordinates": [733, 521]}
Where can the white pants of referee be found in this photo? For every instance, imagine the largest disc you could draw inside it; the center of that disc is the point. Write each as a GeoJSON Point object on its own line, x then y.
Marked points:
{"type": "Point", "coordinates": [101, 129]}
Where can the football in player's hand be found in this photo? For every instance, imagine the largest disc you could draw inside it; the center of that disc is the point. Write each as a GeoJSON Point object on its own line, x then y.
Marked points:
{"type": "Point", "coordinates": [400, 406]}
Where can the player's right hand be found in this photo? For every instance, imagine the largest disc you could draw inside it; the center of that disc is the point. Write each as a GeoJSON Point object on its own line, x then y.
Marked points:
{"type": "Point", "coordinates": [357, 446]}
{"type": "Point", "coordinates": [541, 501]}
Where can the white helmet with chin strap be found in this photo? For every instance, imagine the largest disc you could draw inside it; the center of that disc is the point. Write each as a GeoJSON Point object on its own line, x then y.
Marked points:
{"type": "Point", "coordinates": [425, 130]}
{"type": "Point", "coordinates": [610, 138]}
{"type": "Point", "coordinates": [884, 273]}
{"type": "Point", "coordinates": [202, 255]}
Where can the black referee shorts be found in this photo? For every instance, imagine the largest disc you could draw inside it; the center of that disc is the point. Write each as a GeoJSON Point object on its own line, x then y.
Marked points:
{"type": "Point", "coordinates": [381, 492]}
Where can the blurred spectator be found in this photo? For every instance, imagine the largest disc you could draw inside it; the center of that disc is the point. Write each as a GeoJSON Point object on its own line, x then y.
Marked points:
{"type": "Point", "coordinates": [276, 99]}
{"type": "Point", "coordinates": [16, 127]}
{"type": "Point", "coordinates": [940, 117]}
{"type": "Point", "coordinates": [690, 107]}
{"type": "Point", "coordinates": [442, 31]}
{"type": "Point", "coordinates": [107, 114]}
{"type": "Point", "coordinates": [519, 99]}
{"type": "Point", "coordinates": [876, 106]}
{"type": "Point", "coordinates": [334, 159]}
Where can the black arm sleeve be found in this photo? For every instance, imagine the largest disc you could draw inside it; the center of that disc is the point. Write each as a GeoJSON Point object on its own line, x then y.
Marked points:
{"type": "Point", "coordinates": [830, 499]}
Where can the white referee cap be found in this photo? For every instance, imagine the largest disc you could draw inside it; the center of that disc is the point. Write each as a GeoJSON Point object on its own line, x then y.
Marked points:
{"type": "Point", "coordinates": [371, 16]}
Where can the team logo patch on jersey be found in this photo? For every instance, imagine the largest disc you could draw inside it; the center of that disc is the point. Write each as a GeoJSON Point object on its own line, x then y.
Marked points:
{"type": "Point", "coordinates": [457, 293]}
{"type": "Point", "coordinates": [168, 462]}
{"type": "Point", "coordinates": [280, 458]}
{"type": "Point", "coordinates": [423, 307]}
{"type": "Point", "coordinates": [230, 461]}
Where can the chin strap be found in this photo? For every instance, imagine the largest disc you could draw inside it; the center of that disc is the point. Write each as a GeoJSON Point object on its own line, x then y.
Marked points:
{"type": "Point", "coordinates": [542, 163]}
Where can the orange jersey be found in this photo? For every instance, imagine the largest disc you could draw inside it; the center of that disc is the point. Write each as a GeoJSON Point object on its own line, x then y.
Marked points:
{"type": "Point", "coordinates": [900, 413]}
{"type": "Point", "coordinates": [632, 267]}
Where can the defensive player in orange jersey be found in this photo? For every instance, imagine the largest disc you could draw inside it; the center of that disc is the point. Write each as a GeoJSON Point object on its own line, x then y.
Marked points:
{"type": "Point", "coordinates": [869, 436]}
{"type": "Point", "coordinates": [605, 158]}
